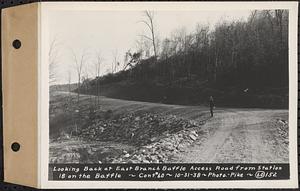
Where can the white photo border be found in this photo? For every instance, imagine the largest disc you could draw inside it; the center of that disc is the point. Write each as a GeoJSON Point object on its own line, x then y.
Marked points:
{"type": "Point", "coordinates": [47, 7]}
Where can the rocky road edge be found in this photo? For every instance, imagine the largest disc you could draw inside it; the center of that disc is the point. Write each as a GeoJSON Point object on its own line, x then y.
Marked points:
{"type": "Point", "coordinates": [153, 138]}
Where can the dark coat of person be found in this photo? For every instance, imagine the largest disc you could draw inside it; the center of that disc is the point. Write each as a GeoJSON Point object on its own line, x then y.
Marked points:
{"type": "Point", "coordinates": [211, 105]}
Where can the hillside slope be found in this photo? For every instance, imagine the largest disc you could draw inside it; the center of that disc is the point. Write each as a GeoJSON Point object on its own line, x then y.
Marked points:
{"type": "Point", "coordinates": [193, 94]}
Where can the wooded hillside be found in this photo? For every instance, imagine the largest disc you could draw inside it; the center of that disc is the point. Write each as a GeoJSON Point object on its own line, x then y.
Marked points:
{"type": "Point", "coordinates": [240, 63]}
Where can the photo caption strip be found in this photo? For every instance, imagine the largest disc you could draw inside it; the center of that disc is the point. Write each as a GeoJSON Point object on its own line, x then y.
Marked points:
{"type": "Point", "coordinates": [168, 172]}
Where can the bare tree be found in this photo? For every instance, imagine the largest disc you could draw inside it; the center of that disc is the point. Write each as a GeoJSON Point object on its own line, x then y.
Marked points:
{"type": "Point", "coordinates": [69, 82]}
{"type": "Point", "coordinates": [252, 16]}
{"type": "Point", "coordinates": [165, 54]}
{"type": "Point", "coordinates": [115, 63]}
{"type": "Point", "coordinates": [143, 46]}
{"type": "Point", "coordinates": [97, 64]}
{"type": "Point", "coordinates": [97, 69]}
{"type": "Point", "coordinates": [53, 57]}
{"type": "Point", "coordinates": [78, 64]}
{"type": "Point", "coordinates": [150, 25]}
{"type": "Point", "coordinates": [85, 81]}
{"type": "Point", "coordinates": [127, 63]}
{"type": "Point", "coordinates": [278, 19]}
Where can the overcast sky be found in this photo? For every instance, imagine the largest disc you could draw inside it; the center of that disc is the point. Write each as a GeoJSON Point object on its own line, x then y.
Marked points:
{"type": "Point", "coordinates": [109, 31]}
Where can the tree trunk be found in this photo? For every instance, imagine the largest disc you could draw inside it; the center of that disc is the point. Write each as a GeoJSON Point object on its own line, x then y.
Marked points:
{"type": "Point", "coordinates": [78, 89]}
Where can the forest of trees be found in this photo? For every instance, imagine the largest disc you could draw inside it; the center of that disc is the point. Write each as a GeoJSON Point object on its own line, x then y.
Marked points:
{"type": "Point", "coordinates": [238, 57]}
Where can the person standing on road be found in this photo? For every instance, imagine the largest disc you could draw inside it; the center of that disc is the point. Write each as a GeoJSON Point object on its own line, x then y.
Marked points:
{"type": "Point", "coordinates": [211, 105]}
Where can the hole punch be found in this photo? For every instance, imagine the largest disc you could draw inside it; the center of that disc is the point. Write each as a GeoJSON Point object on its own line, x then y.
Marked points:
{"type": "Point", "coordinates": [16, 44]}
{"type": "Point", "coordinates": [15, 146]}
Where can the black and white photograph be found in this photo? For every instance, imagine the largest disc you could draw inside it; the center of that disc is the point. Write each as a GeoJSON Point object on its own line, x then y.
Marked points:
{"type": "Point", "coordinates": [158, 86]}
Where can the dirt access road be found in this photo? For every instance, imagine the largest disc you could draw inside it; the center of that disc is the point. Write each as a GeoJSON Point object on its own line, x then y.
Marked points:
{"type": "Point", "coordinates": [242, 136]}
{"type": "Point", "coordinates": [234, 135]}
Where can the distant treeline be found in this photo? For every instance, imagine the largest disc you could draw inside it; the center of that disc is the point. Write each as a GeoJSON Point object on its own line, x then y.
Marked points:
{"type": "Point", "coordinates": [64, 87]}
{"type": "Point", "coordinates": [239, 57]}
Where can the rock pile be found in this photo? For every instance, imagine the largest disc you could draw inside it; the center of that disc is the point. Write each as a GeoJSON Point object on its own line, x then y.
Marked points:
{"type": "Point", "coordinates": [137, 129]}
{"type": "Point", "coordinates": [156, 136]}
{"type": "Point", "coordinates": [153, 138]}
{"type": "Point", "coordinates": [283, 130]}
{"type": "Point", "coordinates": [162, 150]}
